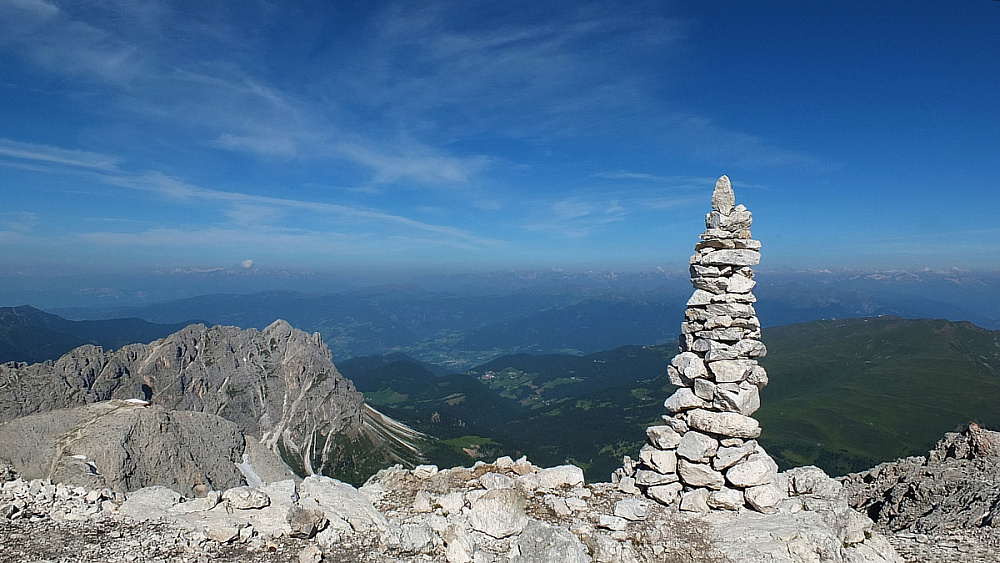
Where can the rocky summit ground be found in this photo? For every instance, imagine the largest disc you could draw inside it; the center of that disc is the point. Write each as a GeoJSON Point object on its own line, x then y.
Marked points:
{"type": "Point", "coordinates": [506, 511]}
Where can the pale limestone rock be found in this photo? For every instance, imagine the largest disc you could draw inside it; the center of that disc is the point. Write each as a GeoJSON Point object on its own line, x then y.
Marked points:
{"type": "Point", "coordinates": [648, 477]}
{"type": "Point", "coordinates": [627, 485]}
{"type": "Point", "coordinates": [632, 509]}
{"type": "Point", "coordinates": [730, 257]}
{"type": "Point", "coordinates": [663, 437]}
{"type": "Point", "coordinates": [728, 456]}
{"type": "Point", "coordinates": [724, 423]}
{"type": "Point", "coordinates": [731, 371]}
{"type": "Point", "coordinates": [690, 365]}
{"type": "Point", "coordinates": [416, 538]}
{"type": "Point", "coordinates": [751, 348]}
{"type": "Point", "coordinates": [451, 503]}
{"type": "Point", "coordinates": [544, 543]}
{"type": "Point", "coordinates": [743, 398]}
{"type": "Point", "coordinates": [695, 501]}
{"type": "Point", "coordinates": [811, 480]}
{"type": "Point", "coordinates": [704, 389]}
{"type": "Point", "coordinates": [699, 474]}
{"type": "Point", "coordinates": [496, 481]}
{"type": "Point", "coordinates": [684, 399]}
{"type": "Point", "coordinates": [756, 469]}
{"type": "Point", "coordinates": [661, 461]}
{"type": "Point", "coordinates": [665, 494]}
{"type": "Point", "coordinates": [422, 502]}
{"type": "Point", "coordinates": [615, 523]}
{"type": "Point", "coordinates": [425, 471]}
{"type": "Point", "coordinates": [758, 376]}
{"type": "Point", "coordinates": [697, 447]}
{"type": "Point", "coordinates": [733, 310]}
{"type": "Point", "coordinates": [726, 499]}
{"type": "Point", "coordinates": [499, 513]}
{"type": "Point", "coordinates": [699, 297]}
{"type": "Point", "coordinates": [310, 554]}
{"type": "Point", "coordinates": [739, 283]}
{"type": "Point", "coordinates": [723, 197]}
{"type": "Point", "coordinates": [339, 501]}
{"type": "Point", "coordinates": [553, 477]}
{"type": "Point", "coordinates": [246, 498]}
{"type": "Point", "coordinates": [764, 498]}
{"type": "Point", "coordinates": [149, 503]}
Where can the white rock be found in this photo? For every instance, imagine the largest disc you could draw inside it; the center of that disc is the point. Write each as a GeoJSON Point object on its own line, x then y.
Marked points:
{"type": "Point", "coordinates": [697, 447]}
{"type": "Point", "coordinates": [724, 423]}
{"type": "Point", "coordinates": [700, 297]}
{"type": "Point", "coordinates": [553, 477]}
{"type": "Point", "coordinates": [544, 543]}
{"type": "Point", "coordinates": [723, 198]}
{"type": "Point", "coordinates": [729, 456]}
{"type": "Point", "coordinates": [616, 523]}
{"type": "Point", "coordinates": [422, 502]}
{"type": "Point", "coordinates": [339, 501]}
{"type": "Point", "coordinates": [425, 471]}
{"type": "Point", "coordinates": [695, 501]}
{"type": "Point", "coordinates": [499, 513]}
{"type": "Point", "coordinates": [649, 477]}
{"type": "Point", "coordinates": [728, 257]}
{"type": "Point", "coordinates": [764, 498]}
{"type": "Point", "coordinates": [757, 469]}
{"type": "Point", "coordinates": [246, 498]}
{"type": "Point", "coordinates": [684, 399]}
{"type": "Point", "coordinates": [663, 437]}
{"type": "Point", "coordinates": [726, 499]}
{"type": "Point", "coordinates": [632, 509]}
{"type": "Point", "coordinates": [743, 398]}
{"type": "Point", "coordinates": [496, 481]}
{"type": "Point", "coordinates": [665, 494]}
{"type": "Point", "coordinates": [689, 364]}
{"type": "Point", "coordinates": [661, 461]}
{"type": "Point", "coordinates": [451, 503]}
{"type": "Point", "coordinates": [704, 389]}
{"type": "Point", "coordinates": [149, 503]}
{"type": "Point", "coordinates": [699, 474]}
{"type": "Point", "coordinates": [731, 371]}
{"type": "Point", "coordinates": [740, 284]}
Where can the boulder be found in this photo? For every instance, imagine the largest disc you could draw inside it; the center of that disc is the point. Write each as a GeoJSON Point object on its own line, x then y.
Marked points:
{"type": "Point", "coordinates": [499, 513]}
{"type": "Point", "coordinates": [699, 474]}
{"type": "Point", "coordinates": [730, 424]}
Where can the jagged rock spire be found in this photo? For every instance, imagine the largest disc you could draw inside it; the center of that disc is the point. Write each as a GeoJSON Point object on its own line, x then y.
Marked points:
{"type": "Point", "coordinates": [705, 455]}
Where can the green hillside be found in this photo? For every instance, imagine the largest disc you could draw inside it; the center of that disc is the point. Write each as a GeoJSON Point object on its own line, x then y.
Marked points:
{"type": "Point", "coordinates": [844, 395]}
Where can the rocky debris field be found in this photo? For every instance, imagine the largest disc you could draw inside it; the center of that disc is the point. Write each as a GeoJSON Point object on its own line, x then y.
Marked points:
{"type": "Point", "coordinates": [942, 507]}
{"type": "Point", "coordinates": [506, 511]}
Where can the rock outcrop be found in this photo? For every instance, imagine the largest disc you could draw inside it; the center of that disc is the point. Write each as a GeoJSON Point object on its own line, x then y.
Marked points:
{"type": "Point", "coordinates": [278, 385]}
{"type": "Point", "coordinates": [127, 445]}
{"type": "Point", "coordinates": [957, 485]}
{"type": "Point", "coordinates": [705, 456]}
{"type": "Point", "coordinates": [506, 511]}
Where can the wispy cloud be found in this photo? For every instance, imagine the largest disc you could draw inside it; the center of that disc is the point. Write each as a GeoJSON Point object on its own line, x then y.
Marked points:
{"type": "Point", "coordinates": [54, 155]}
{"type": "Point", "coordinates": [576, 217]}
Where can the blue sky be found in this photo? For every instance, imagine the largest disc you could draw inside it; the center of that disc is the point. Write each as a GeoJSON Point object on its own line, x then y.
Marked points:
{"type": "Point", "coordinates": [424, 136]}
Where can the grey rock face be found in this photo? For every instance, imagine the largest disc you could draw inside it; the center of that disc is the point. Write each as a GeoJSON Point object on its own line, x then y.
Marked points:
{"type": "Point", "coordinates": [126, 446]}
{"type": "Point", "coordinates": [956, 486]}
{"type": "Point", "coordinates": [543, 543]}
{"type": "Point", "coordinates": [278, 385]}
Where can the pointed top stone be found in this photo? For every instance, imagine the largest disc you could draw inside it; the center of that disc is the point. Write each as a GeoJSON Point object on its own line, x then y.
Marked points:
{"type": "Point", "coordinates": [723, 198]}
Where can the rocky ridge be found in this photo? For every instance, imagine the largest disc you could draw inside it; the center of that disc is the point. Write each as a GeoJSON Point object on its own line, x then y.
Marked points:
{"type": "Point", "coordinates": [278, 386]}
{"type": "Point", "coordinates": [940, 507]}
{"type": "Point", "coordinates": [506, 511]}
{"type": "Point", "coordinates": [706, 457]}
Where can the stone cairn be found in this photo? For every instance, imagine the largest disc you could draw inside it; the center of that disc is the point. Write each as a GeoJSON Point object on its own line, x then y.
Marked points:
{"type": "Point", "coordinates": [706, 454]}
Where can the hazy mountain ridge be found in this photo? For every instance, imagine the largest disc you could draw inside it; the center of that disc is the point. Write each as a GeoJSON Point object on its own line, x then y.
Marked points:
{"type": "Point", "coordinates": [465, 321]}
{"type": "Point", "coordinates": [30, 335]}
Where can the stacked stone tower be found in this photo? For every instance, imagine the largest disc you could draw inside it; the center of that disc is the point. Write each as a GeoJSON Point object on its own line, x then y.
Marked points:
{"type": "Point", "coordinates": [706, 454]}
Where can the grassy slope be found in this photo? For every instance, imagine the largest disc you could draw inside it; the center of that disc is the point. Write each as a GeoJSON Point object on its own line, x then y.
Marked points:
{"type": "Point", "coordinates": [846, 394]}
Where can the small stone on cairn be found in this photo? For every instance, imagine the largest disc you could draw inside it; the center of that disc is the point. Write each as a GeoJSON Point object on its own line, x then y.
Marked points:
{"type": "Point", "coordinates": [706, 454]}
